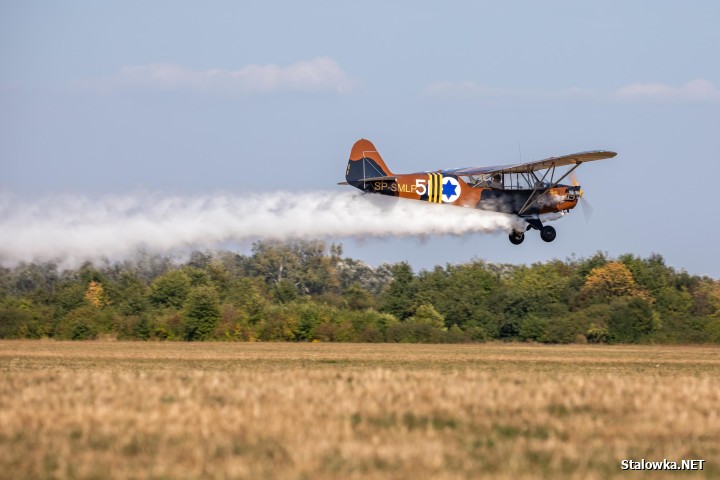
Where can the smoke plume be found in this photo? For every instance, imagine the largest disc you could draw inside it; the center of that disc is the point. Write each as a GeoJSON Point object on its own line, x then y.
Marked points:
{"type": "Point", "coordinates": [72, 229]}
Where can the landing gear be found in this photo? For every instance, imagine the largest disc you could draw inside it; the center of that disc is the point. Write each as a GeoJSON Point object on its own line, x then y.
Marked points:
{"type": "Point", "coordinates": [547, 233]}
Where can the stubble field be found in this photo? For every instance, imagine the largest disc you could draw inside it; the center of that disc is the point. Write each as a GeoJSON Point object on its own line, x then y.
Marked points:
{"type": "Point", "coordinates": [321, 411]}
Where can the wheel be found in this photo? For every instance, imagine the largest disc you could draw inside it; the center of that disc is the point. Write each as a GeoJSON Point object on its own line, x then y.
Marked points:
{"type": "Point", "coordinates": [548, 233]}
{"type": "Point", "coordinates": [516, 239]}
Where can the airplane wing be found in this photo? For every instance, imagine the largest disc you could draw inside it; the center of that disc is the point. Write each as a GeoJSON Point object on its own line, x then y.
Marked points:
{"type": "Point", "coordinates": [572, 159]}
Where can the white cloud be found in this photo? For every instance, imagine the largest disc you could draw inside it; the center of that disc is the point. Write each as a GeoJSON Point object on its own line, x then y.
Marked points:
{"type": "Point", "coordinates": [319, 74]}
{"type": "Point", "coordinates": [699, 90]}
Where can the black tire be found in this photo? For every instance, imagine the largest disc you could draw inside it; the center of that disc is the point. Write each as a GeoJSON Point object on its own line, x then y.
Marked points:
{"type": "Point", "coordinates": [516, 239]}
{"type": "Point", "coordinates": [548, 233]}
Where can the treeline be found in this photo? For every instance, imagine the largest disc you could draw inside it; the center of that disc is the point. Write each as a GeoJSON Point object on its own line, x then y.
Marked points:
{"type": "Point", "coordinates": [307, 291]}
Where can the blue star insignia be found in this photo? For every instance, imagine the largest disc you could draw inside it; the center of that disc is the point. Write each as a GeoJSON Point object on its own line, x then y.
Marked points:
{"type": "Point", "coordinates": [449, 189]}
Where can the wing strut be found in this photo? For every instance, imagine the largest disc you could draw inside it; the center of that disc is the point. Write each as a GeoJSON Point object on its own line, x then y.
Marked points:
{"type": "Point", "coordinates": [530, 203]}
{"type": "Point", "coordinates": [537, 185]}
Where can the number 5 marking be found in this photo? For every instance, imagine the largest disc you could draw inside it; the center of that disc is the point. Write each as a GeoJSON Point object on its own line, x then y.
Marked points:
{"type": "Point", "coordinates": [420, 186]}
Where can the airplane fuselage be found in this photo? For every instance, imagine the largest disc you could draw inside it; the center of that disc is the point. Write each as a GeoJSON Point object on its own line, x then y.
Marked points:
{"type": "Point", "coordinates": [434, 187]}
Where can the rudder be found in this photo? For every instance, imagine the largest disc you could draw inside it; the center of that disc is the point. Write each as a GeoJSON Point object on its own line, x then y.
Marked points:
{"type": "Point", "coordinates": [365, 162]}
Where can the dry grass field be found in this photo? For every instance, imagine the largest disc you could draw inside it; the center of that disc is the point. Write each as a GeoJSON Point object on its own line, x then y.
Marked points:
{"type": "Point", "coordinates": [326, 411]}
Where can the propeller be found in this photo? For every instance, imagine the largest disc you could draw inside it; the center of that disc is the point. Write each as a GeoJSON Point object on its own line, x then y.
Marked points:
{"type": "Point", "coordinates": [584, 204]}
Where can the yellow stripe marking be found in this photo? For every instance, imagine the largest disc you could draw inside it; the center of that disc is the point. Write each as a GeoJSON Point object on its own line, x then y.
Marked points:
{"type": "Point", "coordinates": [434, 189]}
{"type": "Point", "coordinates": [430, 187]}
{"type": "Point", "coordinates": [434, 180]}
{"type": "Point", "coordinates": [439, 188]}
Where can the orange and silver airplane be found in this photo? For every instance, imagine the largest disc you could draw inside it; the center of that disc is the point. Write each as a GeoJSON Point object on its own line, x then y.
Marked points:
{"type": "Point", "coordinates": [521, 189]}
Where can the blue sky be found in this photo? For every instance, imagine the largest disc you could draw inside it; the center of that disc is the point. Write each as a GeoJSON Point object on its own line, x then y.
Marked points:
{"type": "Point", "coordinates": [196, 98]}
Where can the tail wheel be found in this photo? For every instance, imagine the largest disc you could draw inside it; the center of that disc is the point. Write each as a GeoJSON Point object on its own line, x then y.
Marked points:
{"type": "Point", "coordinates": [548, 233]}
{"type": "Point", "coordinates": [516, 239]}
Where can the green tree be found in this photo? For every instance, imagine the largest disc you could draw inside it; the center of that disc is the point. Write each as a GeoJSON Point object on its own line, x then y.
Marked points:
{"type": "Point", "coordinates": [283, 291]}
{"type": "Point", "coordinates": [706, 297]}
{"type": "Point", "coordinates": [304, 264]}
{"type": "Point", "coordinates": [464, 301]}
{"type": "Point", "coordinates": [426, 314]}
{"type": "Point", "coordinates": [358, 298]}
{"type": "Point", "coordinates": [533, 328]}
{"type": "Point", "coordinates": [141, 328]}
{"type": "Point", "coordinates": [170, 289]}
{"type": "Point", "coordinates": [673, 301]}
{"type": "Point", "coordinates": [197, 276]}
{"type": "Point", "coordinates": [318, 270]}
{"type": "Point", "coordinates": [651, 274]}
{"type": "Point", "coordinates": [279, 323]}
{"type": "Point", "coordinates": [70, 294]}
{"type": "Point", "coordinates": [130, 295]}
{"type": "Point", "coordinates": [82, 323]}
{"type": "Point", "coordinates": [13, 315]}
{"type": "Point", "coordinates": [310, 316]}
{"type": "Point", "coordinates": [562, 329]}
{"type": "Point", "coordinates": [219, 277]}
{"type": "Point", "coordinates": [631, 320]}
{"type": "Point", "coordinates": [597, 334]}
{"type": "Point", "coordinates": [374, 280]}
{"type": "Point", "coordinates": [398, 299]}
{"type": "Point", "coordinates": [249, 295]}
{"type": "Point", "coordinates": [538, 291]}
{"type": "Point", "coordinates": [370, 325]}
{"type": "Point", "coordinates": [201, 313]}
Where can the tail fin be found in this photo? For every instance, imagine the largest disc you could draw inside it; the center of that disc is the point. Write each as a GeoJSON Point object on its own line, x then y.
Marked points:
{"type": "Point", "coordinates": [365, 162]}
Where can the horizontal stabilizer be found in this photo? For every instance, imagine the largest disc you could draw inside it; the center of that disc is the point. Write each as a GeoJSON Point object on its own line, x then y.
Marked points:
{"type": "Point", "coordinates": [372, 179]}
{"type": "Point", "coordinates": [390, 178]}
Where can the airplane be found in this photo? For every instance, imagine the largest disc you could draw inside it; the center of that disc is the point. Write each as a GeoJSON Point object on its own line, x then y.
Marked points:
{"type": "Point", "coordinates": [515, 189]}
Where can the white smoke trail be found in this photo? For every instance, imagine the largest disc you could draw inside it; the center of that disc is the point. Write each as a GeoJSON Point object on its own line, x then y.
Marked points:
{"type": "Point", "coordinates": [73, 229]}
